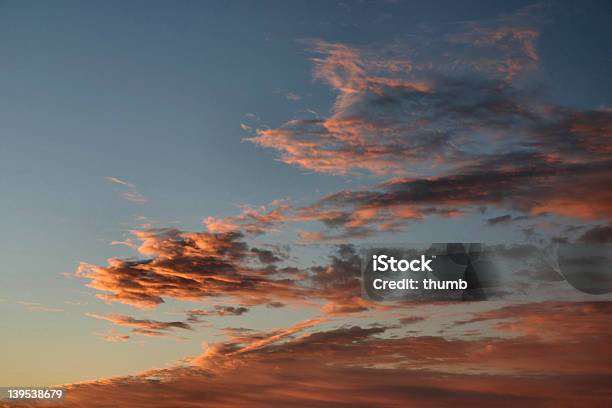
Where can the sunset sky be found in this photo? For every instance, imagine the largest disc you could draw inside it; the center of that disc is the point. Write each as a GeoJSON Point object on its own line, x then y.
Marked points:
{"type": "Point", "coordinates": [184, 188]}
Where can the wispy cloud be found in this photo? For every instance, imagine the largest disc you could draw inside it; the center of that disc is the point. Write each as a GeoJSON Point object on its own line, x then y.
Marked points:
{"type": "Point", "coordinates": [293, 96]}
{"type": "Point", "coordinates": [132, 194]}
{"type": "Point", "coordinates": [455, 126]}
{"type": "Point", "coordinates": [145, 327]}
{"type": "Point", "coordinates": [113, 336]}
{"type": "Point", "coordinates": [419, 107]}
{"type": "Point", "coordinates": [252, 220]}
{"type": "Point", "coordinates": [37, 307]}
{"type": "Point", "coordinates": [75, 303]}
{"type": "Point", "coordinates": [116, 180]}
{"type": "Point", "coordinates": [195, 314]}
{"type": "Point", "coordinates": [135, 197]}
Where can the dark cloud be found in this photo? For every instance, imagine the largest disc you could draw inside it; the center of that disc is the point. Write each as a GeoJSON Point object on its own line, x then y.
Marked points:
{"type": "Point", "coordinates": [339, 282]}
{"type": "Point", "coordinates": [145, 327]}
{"type": "Point", "coordinates": [275, 305]}
{"type": "Point", "coordinates": [265, 256]}
{"type": "Point", "coordinates": [597, 235]}
{"type": "Point", "coordinates": [195, 314]}
{"type": "Point", "coordinates": [525, 182]}
{"type": "Point", "coordinates": [505, 219]}
{"type": "Point", "coordinates": [411, 319]}
{"type": "Point", "coordinates": [113, 336]}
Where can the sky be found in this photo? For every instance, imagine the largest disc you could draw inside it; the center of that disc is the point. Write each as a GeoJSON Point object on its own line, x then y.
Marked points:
{"type": "Point", "coordinates": [185, 186]}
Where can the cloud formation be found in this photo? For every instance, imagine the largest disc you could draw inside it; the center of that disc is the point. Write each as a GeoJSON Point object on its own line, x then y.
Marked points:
{"type": "Point", "coordinates": [456, 122]}
{"type": "Point", "coordinates": [189, 266]}
{"type": "Point", "coordinates": [113, 336]}
{"type": "Point", "coordinates": [132, 194]}
{"type": "Point", "coordinates": [403, 106]}
{"type": "Point", "coordinates": [145, 327]}
{"type": "Point", "coordinates": [355, 366]}
{"type": "Point", "coordinates": [116, 180]}
{"type": "Point", "coordinates": [195, 314]}
{"type": "Point", "coordinates": [252, 221]}
{"type": "Point", "coordinates": [37, 307]}
{"type": "Point", "coordinates": [597, 235]}
{"type": "Point", "coordinates": [447, 126]}
{"type": "Point", "coordinates": [525, 182]}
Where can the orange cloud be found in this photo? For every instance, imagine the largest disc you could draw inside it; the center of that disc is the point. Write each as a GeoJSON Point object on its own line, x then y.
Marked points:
{"type": "Point", "coordinates": [189, 266]}
{"type": "Point", "coordinates": [525, 182]}
{"type": "Point", "coordinates": [354, 366]}
{"type": "Point", "coordinates": [400, 106]}
{"type": "Point", "coordinates": [113, 336]}
{"type": "Point", "coordinates": [253, 221]}
{"type": "Point", "coordinates": [452, 119]}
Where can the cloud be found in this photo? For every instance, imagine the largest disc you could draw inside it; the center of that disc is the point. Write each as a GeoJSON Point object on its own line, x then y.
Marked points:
{"type": "Point", "coordinates": [506, 45]}
{"type": "Point", "coordinates": [195, 314]}
{"type": "Point", "coordinates": [127, 242]}
{"type": "Point", "coordinates": [456, 129]}
{"type": "Point", "coordinates": [597, 235]}
{"type": "Point", "coordinates": [339, 283]}
{"type": "Point", "coordinates": [551, 322]}
{"type": "Point", "coordinates": [145, 327]}
{"type": "Point", "coordinates": [132, 194]}
{"type": "Point", "coordinates": [424, 103]}
{"type": "Point", "coordinates": [440, 118]}
{"type": "Point", "coordinates": [113, 336]}
{"type": "Point", "coordinates": [504, 219]}
{"type": "Point", "coordinates": [252, 221]}
{"type": "Point", "coordinates": [541, 160]}
{"type": "Point", "coordinates": [292, 96]}
{"type": "Point", "coordinates": [524, 182]}
{"type": "Point", "coordinates": [508, 219]}
{"type": "Point", "coordinates": [189, 266]}
{"type": "Point", "coordinates": [135, 197]}
{"type": "Point", "coordinates": [116, 180]}
{"type": "Point", "coordinates": [75, 303]}
{"type": "Point", "coordinates": [252, 342]}
{"type": "Point", "coordinates": [195, 265]}
{"type": "Point", "coordinates": [543, 363]}
{"type": "Point", "coordinates": [37, 307]}
{"type": "Point", "coordinates": [265, 256]}
{"type": "Point", "coordinates": [411, 319]}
